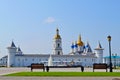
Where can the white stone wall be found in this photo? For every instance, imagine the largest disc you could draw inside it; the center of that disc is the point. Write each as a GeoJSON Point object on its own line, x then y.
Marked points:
{"type": "Point", "coordinates": [21, 61]}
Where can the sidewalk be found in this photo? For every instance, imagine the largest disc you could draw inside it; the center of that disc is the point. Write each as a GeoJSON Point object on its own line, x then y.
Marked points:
{"type": "Point", "coordinates": [59, 78]}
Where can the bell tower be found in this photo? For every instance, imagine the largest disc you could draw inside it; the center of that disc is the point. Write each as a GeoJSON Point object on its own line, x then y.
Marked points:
{"type": "Point", "coordinates": [99, 53]}
{"type": "Point", "coordinates": [57, 46]}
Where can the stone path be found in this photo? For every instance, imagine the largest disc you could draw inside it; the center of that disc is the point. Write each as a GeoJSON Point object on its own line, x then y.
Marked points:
{"type": "Point", "coordinates": [59, 78]}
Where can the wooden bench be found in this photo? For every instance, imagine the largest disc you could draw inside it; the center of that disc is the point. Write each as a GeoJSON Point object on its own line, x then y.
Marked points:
{"type": "Point", "coordinates": [48, 67]}
{"type": "Point", "coordinates": [100, 66]}
{"type": "Point", "coordinates": [37, 66]}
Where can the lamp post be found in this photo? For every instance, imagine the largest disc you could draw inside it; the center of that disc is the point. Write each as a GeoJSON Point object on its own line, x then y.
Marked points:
{"type": "Point", "coordinates": [115, 60]}
{"type": "Point", "coordinates": [109, 40]}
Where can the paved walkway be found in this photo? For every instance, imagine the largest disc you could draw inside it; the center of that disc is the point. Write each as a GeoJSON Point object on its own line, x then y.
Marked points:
{"type": "Point", "coordinates": [59, 78]}
{"type": "Point", "coordinates": [4, 71]}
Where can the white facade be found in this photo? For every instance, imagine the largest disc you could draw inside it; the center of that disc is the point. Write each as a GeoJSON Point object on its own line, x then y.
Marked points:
{"type": "Point", "coordinates": [79, 55]}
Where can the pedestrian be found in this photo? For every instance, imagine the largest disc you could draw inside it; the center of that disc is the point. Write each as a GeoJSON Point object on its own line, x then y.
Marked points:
{"type": "Point", "coordinates": [82, 68]}
{"type": "Point", "coordinates": [47, 68]}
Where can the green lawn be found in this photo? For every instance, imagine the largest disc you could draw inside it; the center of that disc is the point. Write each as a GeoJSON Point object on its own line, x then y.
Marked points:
{"type": "Point", "coordinates": [67, 74]}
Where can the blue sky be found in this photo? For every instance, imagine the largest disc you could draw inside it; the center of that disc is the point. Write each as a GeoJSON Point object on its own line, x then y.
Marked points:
{"type": "Point", "coordinates": [32, 24]}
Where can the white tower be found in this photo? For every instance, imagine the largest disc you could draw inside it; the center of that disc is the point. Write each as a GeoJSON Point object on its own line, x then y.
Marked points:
{"type": "Point", "coordinates": [57, 50]}
{"type": "Point", "coordinates": [11, 55]}
{"type": "Point", "coordinates": [99, 53]}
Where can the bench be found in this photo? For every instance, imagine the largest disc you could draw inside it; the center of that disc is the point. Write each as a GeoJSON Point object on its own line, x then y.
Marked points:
{"type": "Point", "coordinates": [37, 66]}
{"type": "Point", "coordinates": [48, 67]}
{"type": "Point", "coordinates": [100, 66]}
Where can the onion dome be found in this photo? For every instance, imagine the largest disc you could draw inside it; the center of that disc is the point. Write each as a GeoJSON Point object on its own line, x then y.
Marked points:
{"type": "Point", "coordinates": [57, 36]}
{"type": "Point", "coordinates": [76, 45]}
{"type": "Point", "coordinates": [79, 42]}
{"type": "Point", "coordinates": [72, 46]}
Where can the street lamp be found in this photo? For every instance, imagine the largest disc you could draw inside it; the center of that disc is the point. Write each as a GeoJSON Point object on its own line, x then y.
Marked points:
{"type": "Point", "coordinates": [109, 40]}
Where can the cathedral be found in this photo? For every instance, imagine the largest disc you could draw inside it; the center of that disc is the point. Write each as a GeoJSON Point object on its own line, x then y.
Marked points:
{"type": "Point", "coordinates": [80, 54]}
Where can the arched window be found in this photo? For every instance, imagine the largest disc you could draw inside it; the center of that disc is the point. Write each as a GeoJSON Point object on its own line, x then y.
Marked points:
{"type": "Point", "coordinates": [58, 52]}
{"type": "Point", "coordinates": [58, 45]}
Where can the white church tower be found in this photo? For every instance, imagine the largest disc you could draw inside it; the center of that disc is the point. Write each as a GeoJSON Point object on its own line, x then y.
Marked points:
{"type": "Point", "coordinates": [57, 48]}
{"type": "Point", "coordinates": [11, 55]}
{"type": "Point", "coordinates": [99, 53]}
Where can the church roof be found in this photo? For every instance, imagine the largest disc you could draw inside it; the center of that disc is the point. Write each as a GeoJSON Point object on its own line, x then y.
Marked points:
{"type": "Point", "coordinates": [88, 48]}
{"type": "Point", "coordinates": [13, 45]}
{"type": "Point", "coordinates": [19, 50]}
{"type": "Point", "coordinates": [98, 47]}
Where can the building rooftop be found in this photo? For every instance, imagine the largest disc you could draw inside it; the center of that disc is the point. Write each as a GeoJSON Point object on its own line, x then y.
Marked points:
{"type": "Point", "coordinates": [112, 57]}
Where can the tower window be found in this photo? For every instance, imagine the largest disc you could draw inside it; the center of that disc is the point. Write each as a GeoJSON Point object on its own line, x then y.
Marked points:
{"type": "Point", "coordinates": [58, 52]}
{"type": "Point", "coordinates": [58, 45]}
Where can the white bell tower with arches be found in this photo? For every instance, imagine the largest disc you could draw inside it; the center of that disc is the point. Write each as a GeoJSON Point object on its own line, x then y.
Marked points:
{"type": "Point", "coordinates": [57, 46]}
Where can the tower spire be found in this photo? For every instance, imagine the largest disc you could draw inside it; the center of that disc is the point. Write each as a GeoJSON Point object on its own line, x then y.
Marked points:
{"type": "Point", "coordinates": [13, 44]}
{"type": "Point", "coordinates": [57, 30]}
{"type": "Point", "coordinates": [79, 42]}
{"type": "Point", "coordinates": [88, 48]}
{"type": "Point", "coordinates": [57, 36]}
{"type": "Point", "coordinates": [79, 37]}
{"type": "Point", "coordinates": [99, 46]}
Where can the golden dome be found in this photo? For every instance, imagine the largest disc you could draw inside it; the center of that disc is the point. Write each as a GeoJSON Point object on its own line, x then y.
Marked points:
{"type": "Point", "coordinates": [57, 36]}
{"type": "Point", "coordinates": [79, 42]}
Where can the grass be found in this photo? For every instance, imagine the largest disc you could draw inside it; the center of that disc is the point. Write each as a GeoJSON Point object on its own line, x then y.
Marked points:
{"type": "Point", "coordinates": [66, 74]}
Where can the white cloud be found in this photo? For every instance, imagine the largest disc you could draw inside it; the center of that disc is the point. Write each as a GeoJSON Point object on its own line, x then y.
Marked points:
{"type": "Point", "coordinates": [49, 20]}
